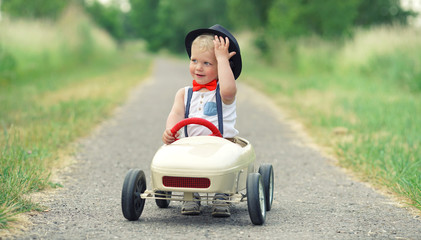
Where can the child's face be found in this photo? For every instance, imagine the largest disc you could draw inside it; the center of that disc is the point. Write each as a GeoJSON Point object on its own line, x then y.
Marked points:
{"type": "Point", "coordinates": [203, 65]}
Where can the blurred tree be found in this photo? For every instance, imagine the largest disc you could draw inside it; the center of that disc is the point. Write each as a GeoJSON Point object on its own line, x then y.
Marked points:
{"type": "Point", "coordinates": [110, 17]}
{"type": "Point", "coordinates": [34, 8]}
{"type": "Point", "coordinates": [290, 18]}
{"type": "Point", "coordinates": [374, 12]}
{"type": "Point", "coordinates": [326, 18]}
{"type": "Point", "coordinates": [251, 14]}
{"type": "Point", "coordinates": [164, 23]}
{"type": "Point", "coordinates": [331, 18]}
{"type": "Point", "coordinates": [143, 17]}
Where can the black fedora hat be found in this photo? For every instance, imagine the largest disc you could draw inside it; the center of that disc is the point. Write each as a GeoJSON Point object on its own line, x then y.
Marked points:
{"type": "Point", "coordinates": [218, 30]}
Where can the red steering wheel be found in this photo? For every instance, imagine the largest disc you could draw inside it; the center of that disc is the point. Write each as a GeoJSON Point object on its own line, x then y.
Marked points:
{"type": "Point", "coordinates": [199, 121]}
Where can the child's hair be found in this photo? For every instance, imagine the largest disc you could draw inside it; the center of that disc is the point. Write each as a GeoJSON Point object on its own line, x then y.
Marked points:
{"type": "Point", "coordinates": [205, 42]}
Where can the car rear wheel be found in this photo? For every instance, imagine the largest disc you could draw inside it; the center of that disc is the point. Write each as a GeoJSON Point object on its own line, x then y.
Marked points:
{"type": "Point", "coordinates": [266, 170]}
{"type": "Point", "coordinates": [131, 202]}
{"type": "Point", "coordinates": [256, 199]}
{"type": "Point", "coordinates": [162, 203]}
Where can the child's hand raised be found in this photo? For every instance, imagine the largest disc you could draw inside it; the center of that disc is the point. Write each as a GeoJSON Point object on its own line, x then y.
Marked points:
{"type": "Point", "coordinates": [221, 48]}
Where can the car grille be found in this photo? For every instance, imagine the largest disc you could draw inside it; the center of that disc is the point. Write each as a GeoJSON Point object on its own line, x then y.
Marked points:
{"type": "Point", "coordinates": [185, 182]}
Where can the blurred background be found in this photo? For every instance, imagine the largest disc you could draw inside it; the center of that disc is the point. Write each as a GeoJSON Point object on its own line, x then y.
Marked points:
{"type": "Point", "coordinates": [56, 30]}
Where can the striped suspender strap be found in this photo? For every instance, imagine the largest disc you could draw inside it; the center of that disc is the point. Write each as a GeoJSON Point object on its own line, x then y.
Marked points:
{"type": "Point", "coordinates": [218, 109]}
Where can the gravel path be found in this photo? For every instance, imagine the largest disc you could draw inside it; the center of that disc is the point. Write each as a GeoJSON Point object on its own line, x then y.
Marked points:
{"type": "Point", "coordinates": [313, 199]}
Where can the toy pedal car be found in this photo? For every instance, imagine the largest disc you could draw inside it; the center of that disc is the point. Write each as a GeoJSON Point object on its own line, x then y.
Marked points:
{"type": "Point", "coordinates": [202, 164]}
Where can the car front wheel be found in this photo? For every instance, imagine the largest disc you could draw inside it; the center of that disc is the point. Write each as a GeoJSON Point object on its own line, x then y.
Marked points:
{"type": "Point", "coordinates": [131, 202]}
{"type": "Point", "coordinates": [266, 171]}
{"type": "Point", "coordinates": [256, 199]}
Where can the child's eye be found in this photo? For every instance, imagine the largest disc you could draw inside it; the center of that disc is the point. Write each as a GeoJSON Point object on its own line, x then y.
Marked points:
{"type": "Point", "coordinates": [194, 61]}
{"type": "Point", "coordinates": [208, 63]}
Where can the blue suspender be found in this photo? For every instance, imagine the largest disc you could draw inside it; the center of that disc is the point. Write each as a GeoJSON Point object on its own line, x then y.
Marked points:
{"type": "Point", "coordinates": [186, 113]}
{"type": "Point", "coordinates": [218, 109]}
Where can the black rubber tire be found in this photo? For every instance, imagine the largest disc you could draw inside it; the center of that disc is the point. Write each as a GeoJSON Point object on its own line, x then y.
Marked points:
{"type": "Point", "coordinates": [131, 202]}
{"type": "Point", "coordinates": [266, 170]}
{"type": "Point", "coordinates": [161, 203]}
{"type": "Point", "coordinates": [256, 199]}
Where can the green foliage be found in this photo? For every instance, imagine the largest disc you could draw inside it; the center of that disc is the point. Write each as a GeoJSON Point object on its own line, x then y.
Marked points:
{"type": "Point", "coordinates": [289, 18]}
{"type": "Point", "coordinates": [34, 8]}
{"type": "Point", "coordinates": [257, 12]}
{"type": "Point", "coordinates": [289, 21]}
{"type": "Point", "coordinates": [111, 18]}
{"type": "Point", "coordinates": [164, 23]}
{"type": "Point", "coordinates": [276, 20]}
{"type": "Point", "coordinates": [143, 17]}
{"type": "Point", "coordinates": [329, 18]}
{"type": "Point", "coordinates": [376, 12]}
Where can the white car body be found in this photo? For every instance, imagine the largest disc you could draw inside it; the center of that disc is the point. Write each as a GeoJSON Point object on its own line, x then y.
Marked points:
{"type": "Point", "coordinates": [201, 164]}
{"type": "Point", "coordinates": [224, 163]}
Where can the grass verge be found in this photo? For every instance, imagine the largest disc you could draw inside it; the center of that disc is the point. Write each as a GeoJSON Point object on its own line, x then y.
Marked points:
{"type": "Point", "coordinates": [42, 117]}
{"type": "Point", "coordinates": [57, 81]}
{"type": "Point", "coordinates": [360, 99]}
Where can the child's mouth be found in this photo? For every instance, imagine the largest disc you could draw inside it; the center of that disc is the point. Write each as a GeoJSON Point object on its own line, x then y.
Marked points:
{"type": "Point", "coordinates": [200, 75]}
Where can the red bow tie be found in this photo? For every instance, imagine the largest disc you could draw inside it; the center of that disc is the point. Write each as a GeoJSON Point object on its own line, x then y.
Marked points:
{"type": "Point", "coordinates": [210, 85]}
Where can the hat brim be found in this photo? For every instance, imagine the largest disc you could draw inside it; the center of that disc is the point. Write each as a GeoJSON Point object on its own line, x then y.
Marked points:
{"type": "Point", "coordinates": [235, 61]}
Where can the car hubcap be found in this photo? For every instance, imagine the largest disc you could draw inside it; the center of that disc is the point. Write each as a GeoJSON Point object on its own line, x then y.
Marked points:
{"type": "Point", "coordinates": [271, 189]}
{"type": "Point", "coordinates": [262, 198]}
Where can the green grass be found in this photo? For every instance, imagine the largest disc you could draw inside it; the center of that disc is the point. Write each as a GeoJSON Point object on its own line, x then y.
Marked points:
{"type": "Point", "coordinates": [360, 99]}
{"type": "Point", "coordinates": [42, 117]}
{"type": "Point", "coordinates": [50, 97]}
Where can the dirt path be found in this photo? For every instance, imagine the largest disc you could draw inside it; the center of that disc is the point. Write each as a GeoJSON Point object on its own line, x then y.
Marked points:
{"type": "Point", "coordinates": [313, 198]}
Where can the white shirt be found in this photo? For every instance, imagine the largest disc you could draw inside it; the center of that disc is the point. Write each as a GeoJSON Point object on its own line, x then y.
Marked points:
{"type": "Point", "coordinates": [203, 105]}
